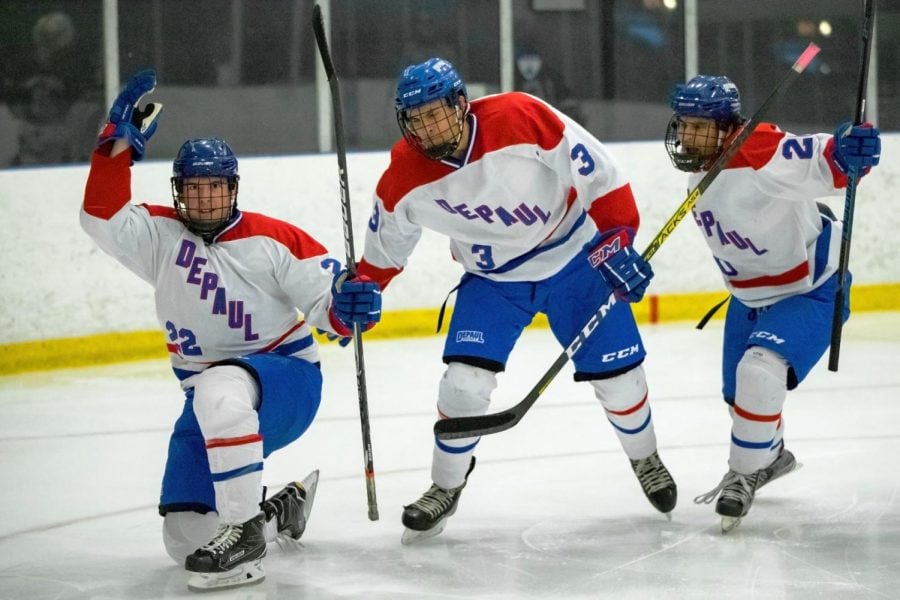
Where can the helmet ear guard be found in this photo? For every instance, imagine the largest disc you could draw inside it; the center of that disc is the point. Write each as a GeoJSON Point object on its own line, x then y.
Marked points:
{"type": "Point", "coordinates": [199, 167]}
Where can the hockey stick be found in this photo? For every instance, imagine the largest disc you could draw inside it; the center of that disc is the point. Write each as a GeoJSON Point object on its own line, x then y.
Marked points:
{"type": "Point", "coordinates": [837, 321]}
{"type": "Point", "coordinates": [463, 427]}
{"type": "Point", "coordinates": [318, 24]}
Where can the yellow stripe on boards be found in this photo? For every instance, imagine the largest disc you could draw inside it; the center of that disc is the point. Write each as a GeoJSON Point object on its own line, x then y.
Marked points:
{"type": "Point", "coordinates": [108, 348]}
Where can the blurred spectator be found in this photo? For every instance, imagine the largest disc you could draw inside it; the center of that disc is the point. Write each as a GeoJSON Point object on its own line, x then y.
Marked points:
{"type": "Point", "coordinates": [431, 33]}
{"type": "Point", "coordinates": [54, 91]}
{"type": "Point", "coordinates": [532, 78]}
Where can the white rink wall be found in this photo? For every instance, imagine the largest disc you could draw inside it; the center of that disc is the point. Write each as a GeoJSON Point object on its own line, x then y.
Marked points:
{"type": "Point", "coordinates": [56, 283]}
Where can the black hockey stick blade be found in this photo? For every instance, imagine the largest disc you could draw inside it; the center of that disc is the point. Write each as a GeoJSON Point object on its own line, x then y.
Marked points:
{"type": "Point", "coordinates": [464, 427]}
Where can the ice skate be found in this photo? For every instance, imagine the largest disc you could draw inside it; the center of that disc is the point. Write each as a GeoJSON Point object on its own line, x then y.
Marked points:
{"type": "Point", "coordinates": [737, 493]}
{"type": "Point", "coordinates": [232, 558]}
{"type": "Point", "coordinates": [291, 507]}
{"type": "Point", "coordinates": [657, 483]}
{"type": "Point", "coordinates": [783, 464]}
{"type": "Point", "coordinates": [427, 516]}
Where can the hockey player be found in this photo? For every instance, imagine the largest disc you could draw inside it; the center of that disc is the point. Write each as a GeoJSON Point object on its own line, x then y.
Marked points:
{"type": "Point", "coordinates": [228, 286]}
{"type": "Point", "coordinates": [541, 218]}
{"type": "Point", "coordinates": [778, 251]}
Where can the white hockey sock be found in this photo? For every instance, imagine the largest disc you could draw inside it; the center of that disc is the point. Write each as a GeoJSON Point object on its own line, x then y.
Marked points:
{"type": "Point", "coordinates": [756, 417]}
{"type": "Point", "coordinates": [464, 391]}
{"type": "Point", "coordinates": [225, 400]}
{"type": "Point", "coordinates": [624, 398]}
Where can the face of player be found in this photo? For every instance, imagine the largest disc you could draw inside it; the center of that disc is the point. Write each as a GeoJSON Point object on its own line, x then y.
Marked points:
{"type": "Point", "coordinates": [437, 125]}
{"type": "Point", "coordinates": [206, 200]}
{"type": "Point", "coordinates": [699, 136]}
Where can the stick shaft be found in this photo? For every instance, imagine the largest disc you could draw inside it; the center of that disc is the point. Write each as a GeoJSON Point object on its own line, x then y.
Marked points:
{"type": "Point", "coordinates": [837, 319]}
{"type": "Point", "coordinates": [334, 86]}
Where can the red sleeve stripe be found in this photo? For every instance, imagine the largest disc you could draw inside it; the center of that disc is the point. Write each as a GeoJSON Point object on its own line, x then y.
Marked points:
{"type": "Point", "coordinates": [234, 441]}
{"type": "Point", "coordinates": [759, 148]}
{"type": "Point", "coordinates": [745, 414]}
{"type": "Point", "coordinates": [615, 210]}
{"type": "Point", "coordinates": [108, 187]}
{"type": "Point", "coordinates": [628, 411]}
{"type": "Point", "coordinates": [795, 274]}
{"type": "Point", "coordinates": [382, 276]}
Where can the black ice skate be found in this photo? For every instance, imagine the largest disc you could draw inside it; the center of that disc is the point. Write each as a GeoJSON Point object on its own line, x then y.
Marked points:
{"type": "Point", "coordinates": [232, 558]}
{"type": "Point", "coordinates": [427, 516]}
{"type": "Point", "coordinates": [657, 483]}
{"type": "Point", "coordinates": [291, 507]}
{"type": "Point", "coordinates": [738, 491]}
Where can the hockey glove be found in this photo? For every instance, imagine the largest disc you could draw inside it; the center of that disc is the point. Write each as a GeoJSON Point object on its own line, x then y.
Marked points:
{"type": "Point", "coordinates": [356, 300]}
{"type": "Point", "coordinates": [856, 147]}
{"type": "Point", "coordinates": [621, 267]}
{"type": "Point", "coordinates": [127, 120]}
{"type": "Point", "coordinates": [343, 341]}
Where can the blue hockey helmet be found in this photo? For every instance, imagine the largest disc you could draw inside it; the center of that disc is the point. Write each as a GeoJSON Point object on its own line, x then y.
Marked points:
{"type": "Point", "coordinates": [210, 157]}
{"type": "Point", "coordinates": [420, 84]}
{"type": "Point", "coordinates": [204, 205]}
{"type": "Point", "coordinates": [710, 97]}
{"type": "Point", "coordinates": [692, 146]}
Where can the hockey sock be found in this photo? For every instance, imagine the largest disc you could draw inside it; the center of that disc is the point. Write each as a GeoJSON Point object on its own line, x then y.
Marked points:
{"type": "Point", "coordinates": [624, 397]}
{"type": "Point", "coordinates": [756, 418]}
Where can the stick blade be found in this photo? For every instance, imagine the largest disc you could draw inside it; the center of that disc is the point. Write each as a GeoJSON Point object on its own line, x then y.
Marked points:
{"type": "Point", "coordinates": [463, 427]}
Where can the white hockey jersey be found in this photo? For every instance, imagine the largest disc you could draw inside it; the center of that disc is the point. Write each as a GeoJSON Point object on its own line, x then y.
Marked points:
{"type": "Point", "coordinates": [237, 296]}
{"type": "Point", "coordinates": [761, 220]}
{"type": "Point", "coordinates": [531, 191]}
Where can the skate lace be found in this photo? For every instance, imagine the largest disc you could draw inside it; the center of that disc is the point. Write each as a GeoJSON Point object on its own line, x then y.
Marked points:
{"type": "Point", "coordinates": [652, 474]}
{"type": "Point", "coordinates": [435, 501]}
{"type": "Point", "coordinates": [226, 537]}
{"type": "Point", "coordinates": [734, 485]}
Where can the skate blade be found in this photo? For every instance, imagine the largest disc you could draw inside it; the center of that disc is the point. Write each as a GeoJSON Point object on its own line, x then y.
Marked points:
{"type": "Point", "coordinates": [729, 523]}
{"type": "Point", "coordinates": [413, 536]}
{"type": "Point", "coordinates": [309, 483]}
{"type": "Point", "coordinates": [284, 539]}
{"type": "Point", "coordinates": [249, 573]}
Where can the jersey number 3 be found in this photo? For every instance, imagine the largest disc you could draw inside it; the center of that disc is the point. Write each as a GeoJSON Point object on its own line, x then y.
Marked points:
{"type": "Point", "coordinates": [485, 260]}
{"type": "Point", "coordinates": [581, 154]}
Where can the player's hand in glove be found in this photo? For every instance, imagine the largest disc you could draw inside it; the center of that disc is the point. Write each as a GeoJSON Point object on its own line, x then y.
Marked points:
{"type": "Point", "coordinates": [343, 341]}
{"type": "Point", "coordinates": [856, 147]}
{"type": "Point", "coordinates": [356, 300]}
{"type": "Point", "coordinates": [127, 120]}
{"type": "Point", "coordinates": [621, 266]}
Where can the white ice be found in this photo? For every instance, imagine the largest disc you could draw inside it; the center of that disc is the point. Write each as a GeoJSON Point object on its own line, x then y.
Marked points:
{"type": "Point", "coordinates": [551, 511]}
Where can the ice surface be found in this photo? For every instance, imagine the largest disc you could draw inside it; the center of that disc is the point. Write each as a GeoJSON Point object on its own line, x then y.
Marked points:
{"type": "Point", "coordinates": [551, 511]}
